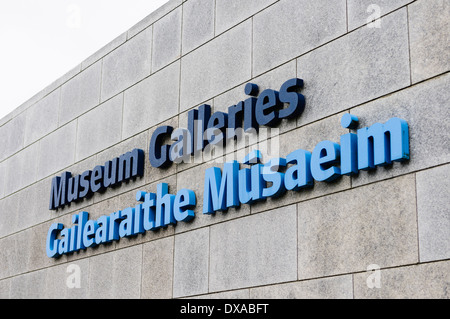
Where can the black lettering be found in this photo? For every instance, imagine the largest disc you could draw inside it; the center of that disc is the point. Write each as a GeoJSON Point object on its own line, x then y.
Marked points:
{"type": "Point", "coordinates": [72, 189]}
{"type": "Point", "coordinates": [267, 108]}
{"type": "Point", "coordinates": [159, 154]}
{"type": "Point", "coordinates": [97, 179]}
{"type": "Point", "coordinates": [295, 100]}
{"type": "Point", "coordinates": [235, 116]}
{"type": "Point", "coordinates": [131, 165]}
{"type": "Point", "coordinates": [58, 191]}
{"type": "Point", "coordinates": [85, 188]}
{"type": "Point", "coordinates": [216, 127]}
{"type": "Point", "coordinates": [110, 174]}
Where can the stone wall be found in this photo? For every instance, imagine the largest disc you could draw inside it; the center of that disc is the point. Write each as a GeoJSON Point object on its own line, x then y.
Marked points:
{"type": "Point", "coordinates": [315, 243]}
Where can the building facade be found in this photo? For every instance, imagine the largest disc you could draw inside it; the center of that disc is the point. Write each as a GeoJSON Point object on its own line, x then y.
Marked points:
{"type": "Point", "coordinates": [381, 231]}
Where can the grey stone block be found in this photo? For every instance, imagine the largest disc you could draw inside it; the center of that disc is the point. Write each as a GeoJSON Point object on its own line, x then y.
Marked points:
{"type": "Point", "coordinates": [190, 274]}
{"type": "Point", "coordinates": [61, 280]}
{"type": "Point", "coordinates": [118, 41]}
{"type": "Point", "coordinates": [127, 64]}
{"type": "Point", "coordinates": [151, 101]}
{"type": "Point", "coordinates": [433, 209]}
{"type": "Point", "coordinates": [81, 93]}
{"type": "Point", "coordinates": [291, 28]}
{"type": "Point", "coordinates": [25, 208]}
{"type": "Point", "coordinates": [429, 36]}
{"type": "Point", "coordinates": [12, 136]}
{"type": "Point", "coordinates": [346, 232]}
{"type": "Point", "coordinates": [9, 217]}
{"type": "Point", "coordinates": [15, 254]}
{"type": "Point", "coordinates": [21, 169]}
{"type": "Point", "coordinates": [99, 128]}
{"type": "Point", "coordinates": [157, 269]}
{"type": "Point", "coordinates": [339, 287]}
{"type": "Point", "coordinates": [217, 66]}
{"type": "Point", "coordinates": [5, 254]}
{"type": "Point", "coordinates": [33, 204]}
{"type": "Point", "coordinates": [198, 23]}
{"type": "Point", "coordinates": [364, 12]}
{"type": "Point", "coordinates": [231, 12]}
{"type": "Point", "coordinates": [254, 250]}
{"type": "Point", "coordinates": [359, 67]}
{"type": "Point", "coordinates": [42, 117]}
{"type": "Point", "coordinates": [422, 281]}
{"type": "Point", "coordinates": [428, 132]}
{"type": "Point", "coordinates": [57, 150]}
{"type": "Point", "coordinates": [29, 286]}
{"type": "Point", "coordinates": [153, 17]}
{"type": "Point", "coordinates": [166, 40]}
{"type": "Point", "coordinates": [2, 181]}
{"type": "Point", "coordinates": [116, 274]}
{"type": "Point", "coordinates": [5, 288]}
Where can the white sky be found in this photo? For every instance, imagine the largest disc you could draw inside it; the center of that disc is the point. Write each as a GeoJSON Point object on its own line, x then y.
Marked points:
{"type": "Point", "coordinates": [41, 40]}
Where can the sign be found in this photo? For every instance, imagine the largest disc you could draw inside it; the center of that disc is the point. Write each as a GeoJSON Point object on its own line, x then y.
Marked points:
{"type": "Point", "coordinates": [377, 145]}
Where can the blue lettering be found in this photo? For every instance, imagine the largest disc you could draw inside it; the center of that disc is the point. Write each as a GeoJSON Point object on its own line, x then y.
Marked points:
{"type": "Point", "coordinates": [185, 201]}
{"type": "Point", "coordinates": [221, 191]}
{"type": "Point", "coordinates": [89, 233]}
{"type": "Point", "coordinates": [53, 243]}
{"type": "Point", "coordinates": [323, 160]}
{"type": "Point", "coordinates": [380, 144]}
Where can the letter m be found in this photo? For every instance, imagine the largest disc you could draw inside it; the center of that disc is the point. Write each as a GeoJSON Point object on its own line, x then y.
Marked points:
{"type": "Point", "coordinates": [58, 191]}
{"type": "Point", "coordinates": [221, 190]}
{"type": "Point", "coordinates": [131, 165]}
{"type": "Point", "coordinates": [381, 144]}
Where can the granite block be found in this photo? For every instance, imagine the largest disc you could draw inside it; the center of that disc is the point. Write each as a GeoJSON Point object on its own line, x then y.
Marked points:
{"type": "Point", "coordinates": [42, 117]}
{"type": "Point", "coordinates": [231, 12]}
{"type": "Point", "coordinates": [422, 281]}
{"type": "Point", "coordinates": [157, 269]}
{"type": "Point", "coordinates": [153, 17]}
{"type": "Point", "coordinates": [364, 12]}
{"type": "Point", "coordinates": [117, 274]}
{"type": "Point", "coordinates": [166, 40]}
{"type": "Point", "coordinates": [346, 232]}
{"type": "Point", "coordinates": [429, 32]}
{"type": "Point", "coordinates": [339, 287]}
{"type": "Point", "coordinates": [99, 128]}
{"type": "Point", "coordinates": [127, 64]}
{"type": "Point", "coordinates": [191, 262]}
{"type": "Point", "coordinates": [198, 23]}
{"type": "Point", "coordinates": [81, 93]}
{"type": "Point", "coordinates": [57, 150]}
{"type": "Point", "coordinates": [255, 250]}
{"type": "Point", "coordinates": [12, 136]}
{"type": "Point", "coordinates": [433, 210]}
{"type": "Point", "coordinates": [357, 68]}
{"type": "Point", "coordinates": [21, 169]}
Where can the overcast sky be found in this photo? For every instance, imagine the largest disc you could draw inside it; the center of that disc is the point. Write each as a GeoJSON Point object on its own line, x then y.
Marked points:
{"type": "Point", "coordinates": [42, 40]}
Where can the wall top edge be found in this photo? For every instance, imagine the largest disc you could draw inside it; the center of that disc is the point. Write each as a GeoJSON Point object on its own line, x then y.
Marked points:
{"type": "Point", "coordinates": [99, 54]}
